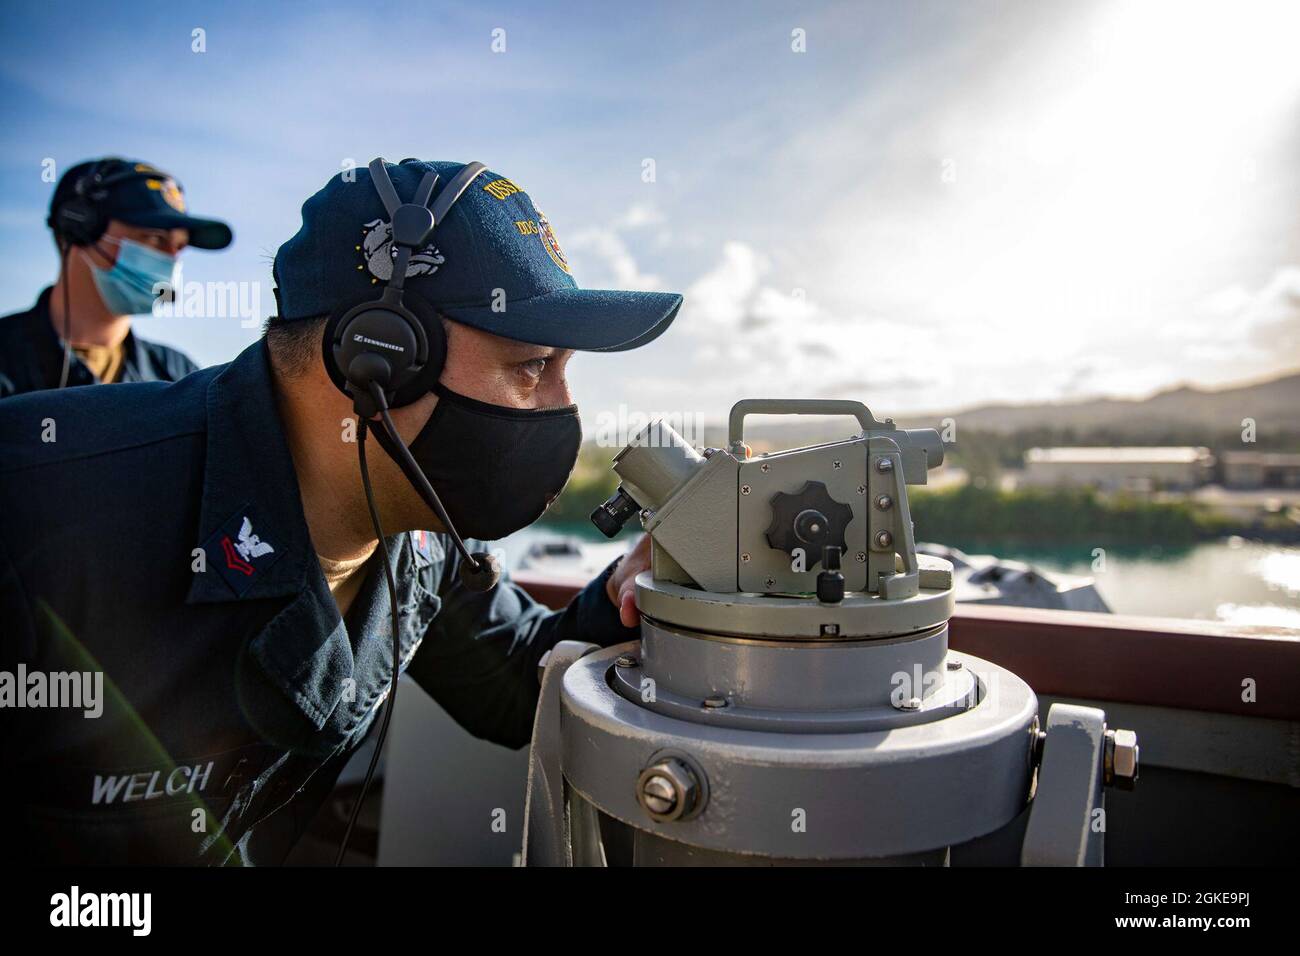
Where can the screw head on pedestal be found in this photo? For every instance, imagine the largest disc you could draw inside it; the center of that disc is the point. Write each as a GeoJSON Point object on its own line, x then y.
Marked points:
{"type": "Point", "coordinates": [668, 790]}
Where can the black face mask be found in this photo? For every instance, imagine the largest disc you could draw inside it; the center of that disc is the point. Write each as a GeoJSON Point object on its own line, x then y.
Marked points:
{"type": "Point", "coordinates": [496, 469]}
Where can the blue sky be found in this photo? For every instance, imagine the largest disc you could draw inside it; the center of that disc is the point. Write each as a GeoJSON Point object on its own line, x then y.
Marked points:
{"type": "Point", "coordinates": [935, 204]}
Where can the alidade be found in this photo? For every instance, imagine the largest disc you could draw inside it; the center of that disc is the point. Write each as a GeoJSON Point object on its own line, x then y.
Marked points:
{"type": "Point", "coordinates": [767, 522]}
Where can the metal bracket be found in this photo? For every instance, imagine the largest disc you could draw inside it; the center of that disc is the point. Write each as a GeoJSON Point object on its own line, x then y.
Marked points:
{"type": "Point", "coordinates": [888, 515]}
{"type": "Point", "coordinates": [1063, 825]}
{"type": "Point", "coordinates": [546, 829]}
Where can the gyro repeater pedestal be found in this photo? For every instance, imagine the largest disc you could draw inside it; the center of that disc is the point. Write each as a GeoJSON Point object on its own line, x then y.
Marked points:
{"type": "Point", "coordinates": [793, 698]}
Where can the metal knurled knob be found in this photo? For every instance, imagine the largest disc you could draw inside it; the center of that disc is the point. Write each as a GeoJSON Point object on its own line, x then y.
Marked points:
{"type": "Point", "coordinates": [809, 519]}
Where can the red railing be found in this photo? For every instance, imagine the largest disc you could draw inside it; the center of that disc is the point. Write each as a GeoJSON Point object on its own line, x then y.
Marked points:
{"type": "Point", "coordinates": [1164, 662]}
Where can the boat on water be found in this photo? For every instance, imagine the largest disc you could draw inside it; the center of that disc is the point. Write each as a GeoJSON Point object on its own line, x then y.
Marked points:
{"type": "Point", "coordinates": [568, 556]}
{"type": "Point", "coordinates": [987, 579]}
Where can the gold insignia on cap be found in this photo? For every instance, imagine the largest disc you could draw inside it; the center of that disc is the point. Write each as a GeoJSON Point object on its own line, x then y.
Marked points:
{"type": "Point", "coordinates": [171, 192]}
{"type": "Point", "coordinates": [550, 242]}
{"type": "Point", "coordinates": [501, 188]}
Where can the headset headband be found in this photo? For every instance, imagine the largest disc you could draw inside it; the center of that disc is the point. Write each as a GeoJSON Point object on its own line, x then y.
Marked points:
{"type": "Point", "coordinates": [385, 339]}
{"type": "Point", "coordinates": [95, 178]}
{"type": "Point", "coordinates": [78, 217]}
{"type": "Point", "coordinates": [450, 193]}
{"type": "Point", "coordinates": [412, 222]}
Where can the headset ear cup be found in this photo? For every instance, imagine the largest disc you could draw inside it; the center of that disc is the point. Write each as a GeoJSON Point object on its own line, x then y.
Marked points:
{"type": "Point", "coordinates": [337, 375]}
{"type": "Point", "coordinates": [435, 335]}
{"type": "Point", "coordinates": [79, 222]}
{"type": "Point", "coordinates": [377, 326]}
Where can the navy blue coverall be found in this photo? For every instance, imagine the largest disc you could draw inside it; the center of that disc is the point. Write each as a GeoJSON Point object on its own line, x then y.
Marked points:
{"type": "Point", "coordinates": [154, 532]}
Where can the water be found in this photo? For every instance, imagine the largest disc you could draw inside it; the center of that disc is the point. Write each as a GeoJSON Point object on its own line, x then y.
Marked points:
{"type": "Point", "coordinates": [1232, 580]}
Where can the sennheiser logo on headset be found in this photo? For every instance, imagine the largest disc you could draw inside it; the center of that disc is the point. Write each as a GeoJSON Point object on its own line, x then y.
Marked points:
{"type": "Point", "coordinates": [358, 337]}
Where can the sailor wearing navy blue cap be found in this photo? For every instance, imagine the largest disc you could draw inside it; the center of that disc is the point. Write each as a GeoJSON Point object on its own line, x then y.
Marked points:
{"type": "Point", "coordinates": [119, 225]}
{"type": "Point", "coordinates": [229, 584]}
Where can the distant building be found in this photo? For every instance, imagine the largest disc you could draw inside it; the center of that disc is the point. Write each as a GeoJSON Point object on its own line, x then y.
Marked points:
{"type": "Point", "coordinates": [1112, 469]}
{"type": "Point", "coordinates": [1260, 469]}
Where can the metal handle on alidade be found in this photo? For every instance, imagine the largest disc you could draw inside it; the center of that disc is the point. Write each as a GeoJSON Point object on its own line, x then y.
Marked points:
{"type": "Point", "coordinates": [794, 406]}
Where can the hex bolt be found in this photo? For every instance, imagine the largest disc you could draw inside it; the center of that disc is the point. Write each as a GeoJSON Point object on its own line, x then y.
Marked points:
{"type": "Point", "coordinates": [744, 489]}
{"type": "Point", "coordinates": [668, 790]}
{"type": "Point", "coordinates": [884, 465]}
{"type": "Point", "coordinates": [1120, 759]}
{"type": "Point", "coordinates": [953, 665]}
{"type": "Point", "coordinates": [912, 703]}
{"type": "Point", "coordinates": [715, 702]}
{"type": "Point", "coordinates": [884, 502]}
{"type": "Point", "coordinates": [884, 539]}
{"type": "Point", "coordinates": [625, 660]}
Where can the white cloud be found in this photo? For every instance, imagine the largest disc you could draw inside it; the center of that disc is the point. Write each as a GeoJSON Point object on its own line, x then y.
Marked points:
{"type": "Point", "coordinates": [1065, 210]}
{"type": "Point", "coordinates": [1267, 318]}
{"type": "Point", "coordinates": [794, 307]}
{"type": "Point", "coordinates": [722, 295]}
{"type": "Point", "coordinates": [641, 214]}
{"type": "Point", "coordinates": [748, 337]}
{"type": "Point", "coordinates": [604, 260]}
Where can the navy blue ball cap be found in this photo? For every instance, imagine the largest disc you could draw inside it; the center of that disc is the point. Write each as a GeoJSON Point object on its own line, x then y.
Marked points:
{"type": "Point", "coordinates": [138, 194]}
{"type": "Point", "coordinates": [494, 263]}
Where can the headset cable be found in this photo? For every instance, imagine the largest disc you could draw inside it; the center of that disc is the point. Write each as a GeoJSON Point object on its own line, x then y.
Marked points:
{"type": "Point", "coordinates": [362, 429]}
{"type": "Point", "coordinates": [67, 315]}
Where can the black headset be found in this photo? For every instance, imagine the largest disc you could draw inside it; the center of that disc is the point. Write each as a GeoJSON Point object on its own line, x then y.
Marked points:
{"type": "Point", "coordinates": [385, 353]}
{"type": "Point", "coordinates": [79, 219]}
{"type": "Point", "coordinates": [395, 341]}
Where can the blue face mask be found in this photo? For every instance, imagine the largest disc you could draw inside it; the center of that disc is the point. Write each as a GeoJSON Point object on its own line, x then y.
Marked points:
{"type": "Point", "coordinates": [133, 283]}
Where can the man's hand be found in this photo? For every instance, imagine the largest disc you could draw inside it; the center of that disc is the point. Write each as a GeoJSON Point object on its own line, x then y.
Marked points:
{"type": "Point", "coordinates": [621, 585]}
